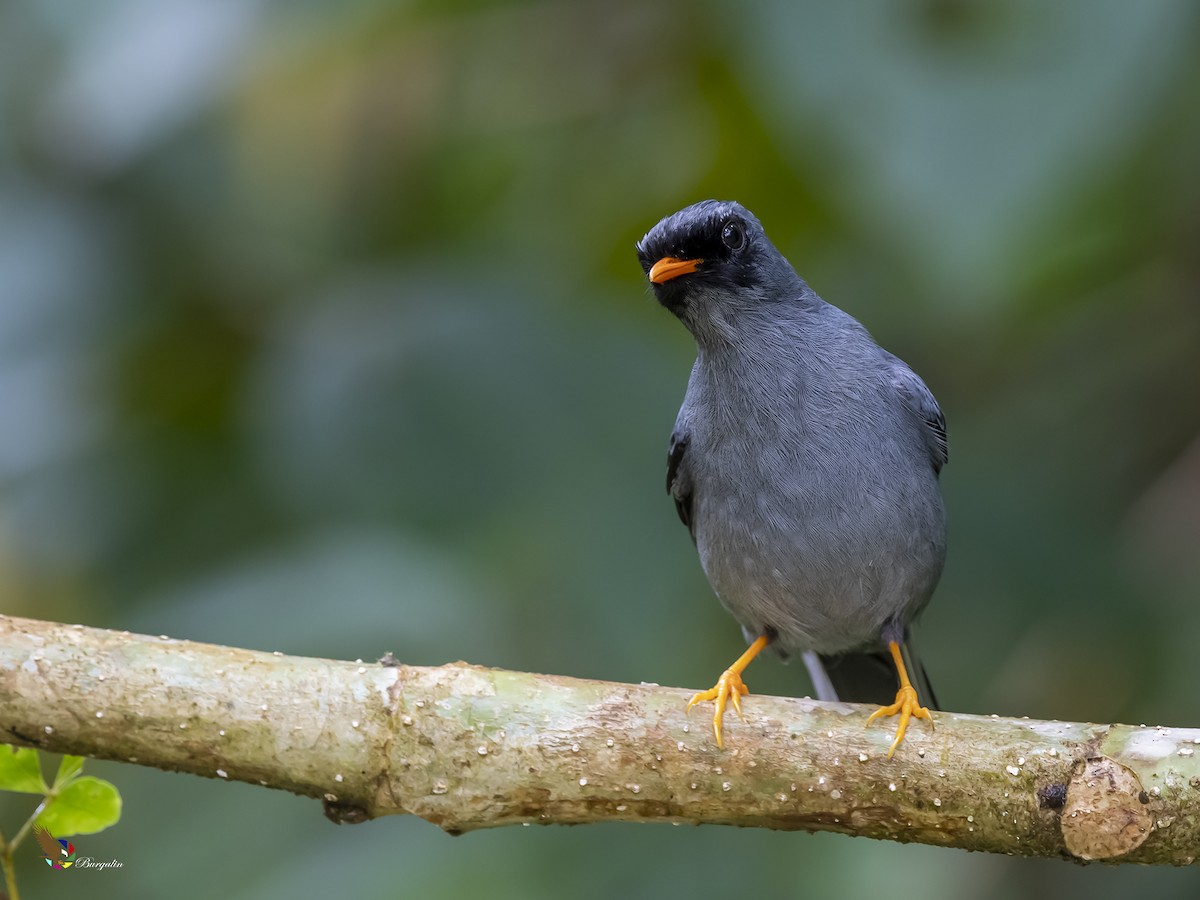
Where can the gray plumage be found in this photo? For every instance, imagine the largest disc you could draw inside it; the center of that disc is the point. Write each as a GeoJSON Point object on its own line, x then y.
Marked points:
{"type": "Point", "coordinates": [804, 459]}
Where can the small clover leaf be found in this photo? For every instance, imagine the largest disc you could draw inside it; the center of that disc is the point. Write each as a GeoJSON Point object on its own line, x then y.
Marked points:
{"type": "Point", "coordinates": [84, 806]}
{"type": "Point", "coordinates": [19, 770]}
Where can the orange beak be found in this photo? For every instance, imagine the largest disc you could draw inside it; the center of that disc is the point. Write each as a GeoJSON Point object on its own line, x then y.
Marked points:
{"type": "Point", "coordinates": [669, 267]}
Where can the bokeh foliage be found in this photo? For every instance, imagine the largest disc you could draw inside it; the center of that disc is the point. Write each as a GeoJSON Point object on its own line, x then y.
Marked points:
{"type": "Point", "coordinates": [321, 331]}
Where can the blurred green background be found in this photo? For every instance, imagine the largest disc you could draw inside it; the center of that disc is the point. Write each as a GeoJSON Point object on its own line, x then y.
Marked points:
{"type": "Point", "coordinates": [321, 331]}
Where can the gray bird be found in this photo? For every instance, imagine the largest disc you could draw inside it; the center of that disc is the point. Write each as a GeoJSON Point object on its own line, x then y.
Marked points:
{"type": "Point", "coordinates": [804, 462]}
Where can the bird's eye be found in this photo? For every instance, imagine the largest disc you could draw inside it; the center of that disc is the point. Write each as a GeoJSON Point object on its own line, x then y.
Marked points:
{"type": "Point", "coordinates": [733, 235]}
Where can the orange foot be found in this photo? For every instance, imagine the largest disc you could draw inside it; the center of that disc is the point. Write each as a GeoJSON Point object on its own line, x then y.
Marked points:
{"type": "Point", "coordinates": [908, 707]}
{"type": "Point", "coordinates": [729, 687]}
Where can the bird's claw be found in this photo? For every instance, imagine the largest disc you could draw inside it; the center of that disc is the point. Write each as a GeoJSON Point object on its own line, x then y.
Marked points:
{"type": "Point", "coordinates": [729, 687]}
{"type": "Point", "coordinates": [908, 707]}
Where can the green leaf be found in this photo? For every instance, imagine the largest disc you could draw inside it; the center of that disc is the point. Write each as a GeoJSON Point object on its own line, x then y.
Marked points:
{"type": "Point", "coordinates": [84, 806]}
{"type": "Point", "coordinates": [19, 770]}
{"type": "Point", "coordinates": [68, 769]}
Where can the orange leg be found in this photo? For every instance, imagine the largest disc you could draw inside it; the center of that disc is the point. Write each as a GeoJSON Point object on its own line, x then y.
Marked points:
{"type": "Point", "coordinates": [907, 704]}
{"type": "Point", "coordinates": [730, 686]}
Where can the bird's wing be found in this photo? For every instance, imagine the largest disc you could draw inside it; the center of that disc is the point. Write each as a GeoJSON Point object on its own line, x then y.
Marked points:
{"type": "Point", "coordinates": [919, 400]}
{"type": "Point", "coordinates": [679, 482]}
{"type": "Point", "coordinates": [50, 847]}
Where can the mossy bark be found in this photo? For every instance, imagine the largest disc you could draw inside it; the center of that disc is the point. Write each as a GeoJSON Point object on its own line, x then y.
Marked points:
{"type": "Point", "coordinates": [466, 747]}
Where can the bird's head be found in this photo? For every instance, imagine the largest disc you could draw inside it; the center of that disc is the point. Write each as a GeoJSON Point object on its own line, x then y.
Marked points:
{"type": "Point", "coordinates": [713, 266]}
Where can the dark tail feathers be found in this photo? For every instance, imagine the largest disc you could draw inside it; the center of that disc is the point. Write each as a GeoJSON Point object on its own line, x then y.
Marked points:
{"type": "Point", "coordinates": [867, 677]}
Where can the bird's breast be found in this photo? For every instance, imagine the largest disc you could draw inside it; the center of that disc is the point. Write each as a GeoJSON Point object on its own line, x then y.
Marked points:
{"type": "Point", "coordinates": [822, 542]}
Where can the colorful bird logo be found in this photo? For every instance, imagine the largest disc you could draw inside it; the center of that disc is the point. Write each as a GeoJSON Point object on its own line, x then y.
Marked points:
{"type": "Point", "coordinates": [57, 853]}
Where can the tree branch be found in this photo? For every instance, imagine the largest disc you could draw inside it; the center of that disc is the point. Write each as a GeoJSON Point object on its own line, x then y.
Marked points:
{"type": "Point", "coordinates": [466, 747]}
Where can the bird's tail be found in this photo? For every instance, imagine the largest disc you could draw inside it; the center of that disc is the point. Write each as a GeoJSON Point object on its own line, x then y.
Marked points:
{"type": "Point", "coordinates": [867, 677]}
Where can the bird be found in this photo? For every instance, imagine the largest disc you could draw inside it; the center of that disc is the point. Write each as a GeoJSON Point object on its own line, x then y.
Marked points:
{"type": "Point", "coordinates": [57, 853]}
{"type": "Point", "coordinates": [805, 463]}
